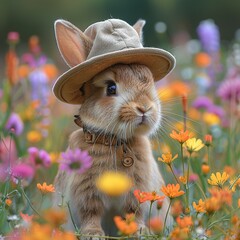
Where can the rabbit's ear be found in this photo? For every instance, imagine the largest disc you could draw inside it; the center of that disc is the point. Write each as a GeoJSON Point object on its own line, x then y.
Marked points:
{"type": "Point", "coordinates": [138, 26]}
{"type": "Point", "coordinates": [73, 44]}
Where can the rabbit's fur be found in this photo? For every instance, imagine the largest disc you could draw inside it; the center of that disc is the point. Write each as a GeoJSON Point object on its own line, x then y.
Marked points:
{"type": "Point", "coordinates": [131, 115]}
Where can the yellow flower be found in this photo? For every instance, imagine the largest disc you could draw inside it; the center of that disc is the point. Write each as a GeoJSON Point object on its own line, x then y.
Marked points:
{"type": "Point", "coordinates": [234, 183]}
{"type": "Point", "coordinates": [34, 136]}
{"type": "Point", "coordinates": [218, 179]}
{"type": "Point", "coordinates": [172, 190]}
{"type": "Point", "coordinates": [44, 188]}
{"type": "Point", "coordinates": [193, 145]}
{"type": "Point", "coordinates": [200, 207]}
{"type": "Point", "coordinates": [54, 157]}
{"type": "Point", "coordinates": [183, 179]}
{"type": "Point", "coordinates": [211, 119]}
{"type": "Point", "coordinates": [167, 158]}
{"type": "Point", "coordinates": [114, 183]}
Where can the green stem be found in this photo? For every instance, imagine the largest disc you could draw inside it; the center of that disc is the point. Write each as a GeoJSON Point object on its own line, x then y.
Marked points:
{"type": "Point", "coordinates": [71, 216]}
{"type": "Point", "coordinates": [165, 220]}
{"type": "Point", "coordinates": [149, 216]}
{"type": "Point", "coordinates": [187, 185]}
{"type": "Point", "coordinates": [230, 187]}
{"type": "Point", "coordinates": [170, 166]}
{"type": "Point", "coordinates": [182, 158]}
{"type": "Point", "coordinates": [29, 202]}
{"type": "Point", "coordinates": [208, 154]}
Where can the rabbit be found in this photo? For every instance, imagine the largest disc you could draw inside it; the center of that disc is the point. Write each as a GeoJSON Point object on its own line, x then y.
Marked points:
{"type": "Point", "coordinates": [119, 112]}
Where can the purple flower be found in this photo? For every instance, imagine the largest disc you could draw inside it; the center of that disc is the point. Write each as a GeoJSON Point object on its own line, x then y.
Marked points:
{"type": "Point", "coordinates": [230, 90]}
{"type": "Point", "coordinates": [75, 161]}
{"type": "Point", "coordinates": [202, 102]}
{"type": "Point", "coordinates": [39, 157]}
{"type": "Point", "coordinates": [209, 36]}
{"type": "Point", "coordinates": [14, 122]}
{"type": "Point", "coordinates": [39, 86]}
{"type": "Point", "coordinates": [216, 110]}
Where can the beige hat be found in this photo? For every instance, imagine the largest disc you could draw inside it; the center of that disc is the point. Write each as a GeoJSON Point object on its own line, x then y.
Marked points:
{"type": "Point", "coordinates": [100, 46]}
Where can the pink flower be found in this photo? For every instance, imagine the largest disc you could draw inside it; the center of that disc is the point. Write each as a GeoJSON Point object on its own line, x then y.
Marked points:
{"type": "Point", "coordinates": [8, 152]}
{"type": "Point", "coordinates": [13, 37]}
{"type": "Point", "coordinates": [39, 157]}
{"type": "Point", "coordinates": [23, 171]}
{"type": "Point", "coordinates": [75, 161]}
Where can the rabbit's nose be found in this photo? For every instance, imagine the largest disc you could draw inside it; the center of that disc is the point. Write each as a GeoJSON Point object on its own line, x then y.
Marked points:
{"type": "Point", "coordinates": [143, 109]}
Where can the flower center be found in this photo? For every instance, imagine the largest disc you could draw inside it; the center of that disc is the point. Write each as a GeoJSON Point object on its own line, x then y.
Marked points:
{"type": "Point", "coordinates": [75, 165]}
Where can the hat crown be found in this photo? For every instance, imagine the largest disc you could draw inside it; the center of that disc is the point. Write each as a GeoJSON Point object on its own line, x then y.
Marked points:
{"type": "Point", "coordinates": [110, 36]}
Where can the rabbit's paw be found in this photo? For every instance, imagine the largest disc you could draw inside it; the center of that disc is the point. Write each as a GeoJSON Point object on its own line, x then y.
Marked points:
{"type": "Point", "coordinates": [92, 234]}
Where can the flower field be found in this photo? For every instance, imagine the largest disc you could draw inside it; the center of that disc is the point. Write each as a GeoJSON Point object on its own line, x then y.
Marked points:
{"type": "Point", "coordinates": [197, 147]}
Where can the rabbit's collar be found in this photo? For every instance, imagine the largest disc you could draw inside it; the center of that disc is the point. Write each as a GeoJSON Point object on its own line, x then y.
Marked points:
{"type": "Point", "coordinates": [96, 137]}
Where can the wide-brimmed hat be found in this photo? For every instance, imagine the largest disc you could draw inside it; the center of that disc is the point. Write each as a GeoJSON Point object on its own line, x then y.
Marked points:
{"type": "Point", "coordinates": [100, 46]}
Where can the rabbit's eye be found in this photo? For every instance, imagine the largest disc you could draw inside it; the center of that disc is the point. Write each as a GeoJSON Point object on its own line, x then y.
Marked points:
{"type": "Point", "coordinates": [111, 88]}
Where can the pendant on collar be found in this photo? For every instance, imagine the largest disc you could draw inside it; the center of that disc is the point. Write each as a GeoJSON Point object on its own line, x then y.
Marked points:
{"type": "Point", "coordinates": [128, 158]}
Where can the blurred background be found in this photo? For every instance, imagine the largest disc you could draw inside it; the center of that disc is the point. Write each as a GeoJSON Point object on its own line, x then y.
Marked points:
{"type": "Point", "coordinates": [169, 22]}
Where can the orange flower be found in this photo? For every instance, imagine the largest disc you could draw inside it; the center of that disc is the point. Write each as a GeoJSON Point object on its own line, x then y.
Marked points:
{"type": "Point", "coordinates": [179, 233]}
{"type": "Point", "coordinates": [27, 218]}
{"type": "Point", "coordinates": [23, 71]}
{"type": "Point", "coordinates": [8, 202]}
{"type": "Point", "coordinates": [202, 59]}
{"type": "Point", "coordinates": [141, 196]}
{"type": "Point", "coordinates": [37, 231]}
{"type": "Point", "coordinates": [57, 234]}
{"type": "Point", "coordinates": [34, 136]}
{"type": "Point", "coordinates": [208, 140]}
{"type": "Point", "coordinates": [229, 170]}
{"type": "Point", "coordinates": [200, 207]}
{"type": "Point", "coordinates": [167, 158]}
{"type": "Point", "coordinates": [179, 88]}
{"type": "Point", "coordinates": [184, 222]}
{"type": "Point", "coordinates": [128, 226]}
{"type": "Point", "coordinates": [154, 197]}
{"type": "Point", "coordinates": [11, 69]}
{"type": "Point", "coordinates": [183, 179]}
{"type": "Point", "coordinates": [159, 204]}
{"type": "Point", "coordinates": [212, 205]}
{"type": "Point", "coordinates": [172, 190]}
{"type": "Point", "coordinates": [147, 196]}
{"type": "Point", "coordinates": [205, 168]}
{"type": "Point", "coordinates": [55, 217]}
{"type": "Point", "coordinates": [224, 195]}
{"type": "Point", "coordinates": [177, 208]}
{"type": "Point", "coordinates": [156, 225]}
{"type": "Point", "coordinates": [50, 70]}
{"type": "Point", "coordinates": [44, 188]}
{"type": "Point", "coordinates": [181, 137]}
{"type": "Point", "coordinates": [239, 202]}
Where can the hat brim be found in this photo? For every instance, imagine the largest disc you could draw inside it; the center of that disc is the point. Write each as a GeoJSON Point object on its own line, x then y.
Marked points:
{"type": "Point", "coordinates": [67, 87]}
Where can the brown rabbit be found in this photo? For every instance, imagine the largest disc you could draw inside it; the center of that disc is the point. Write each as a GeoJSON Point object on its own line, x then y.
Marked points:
{"type": "Point", "coordinates": [112, 77]}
